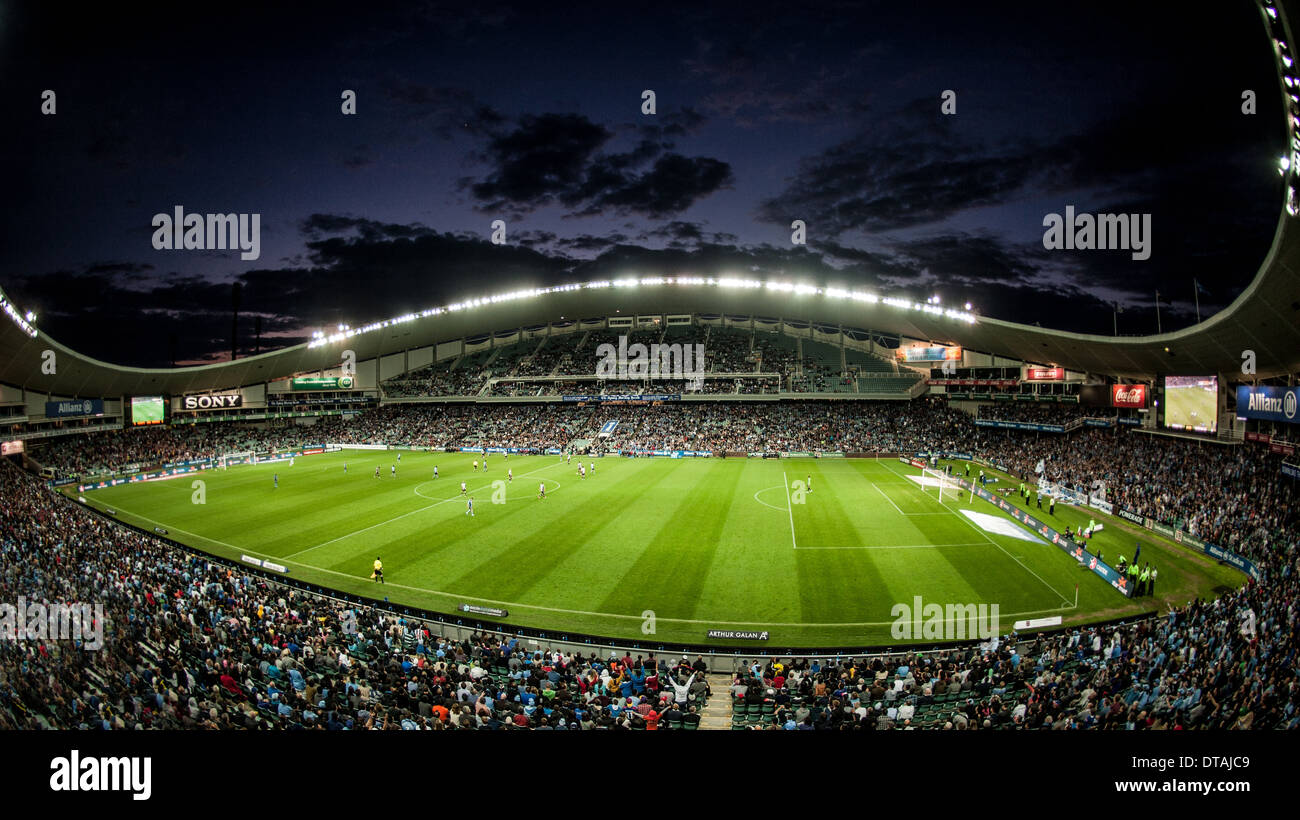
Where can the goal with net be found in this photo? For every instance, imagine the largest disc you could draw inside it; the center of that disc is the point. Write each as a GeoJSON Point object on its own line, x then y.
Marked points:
{"type": "Point", "coordinates": [230, 459]}
{"type": "Point", "coordinates": [944, 486]}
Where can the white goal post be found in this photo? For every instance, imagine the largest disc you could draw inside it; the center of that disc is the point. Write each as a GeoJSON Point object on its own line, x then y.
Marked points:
{"type": "Point", "coordinates": [226, 459]}
{"type": "Point", "coordinates": [941, 484]}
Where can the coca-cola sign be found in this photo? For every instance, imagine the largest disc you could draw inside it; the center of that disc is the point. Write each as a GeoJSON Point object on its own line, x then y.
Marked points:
{"type": "Point", "coordinates": [1128, 395]}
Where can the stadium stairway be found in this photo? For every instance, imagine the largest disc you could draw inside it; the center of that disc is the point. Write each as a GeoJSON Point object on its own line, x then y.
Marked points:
{"type": "Point", "coordinates": [717, 711]}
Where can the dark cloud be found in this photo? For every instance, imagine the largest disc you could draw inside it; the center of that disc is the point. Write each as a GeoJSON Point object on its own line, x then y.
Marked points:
{"type": "Point", "coordinates": [680, 234]}
{"type": "Point", "coordinates": [672, 185]}
{"type": "Point", "coordinates": [369, 230]}
{"type": "Point", "coordinates": [555, 158]}
{"type": "Point", "coordinates": [543, 159]}
{"type": "Point", "coordinates": [914, 169]}
{"type": "Point", "coordinates": [587, 243]}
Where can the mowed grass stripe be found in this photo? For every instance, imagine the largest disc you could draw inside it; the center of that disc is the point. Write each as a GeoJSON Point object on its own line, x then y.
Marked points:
{"type": "Point", "coordinates": [751, 573]}
{"type": "Point", "coordinates": [845, 585]}
{"type": "Point", "coordinates": [512, 571]}
{"type": "Point", "coordinates": [414, 548]}
{"type": "Point", "coordinates": [610, 551]}
{"type": "Point", "coordinates": [421, 545]}
{"type": "Point", "coordinates": [670, 572]}
{"type": "Point", "coordinates": [438, 517]}
{"type": "Point", "coordinates": [462, 544]}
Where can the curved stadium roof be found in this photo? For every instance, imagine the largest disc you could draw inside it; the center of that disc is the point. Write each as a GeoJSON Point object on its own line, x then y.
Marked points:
{"type": "Point", "coordinates": [1265, 318]}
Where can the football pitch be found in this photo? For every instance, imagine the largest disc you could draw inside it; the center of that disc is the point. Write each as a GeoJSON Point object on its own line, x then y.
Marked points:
{"type": "Point", "coordinates": [815, 552]}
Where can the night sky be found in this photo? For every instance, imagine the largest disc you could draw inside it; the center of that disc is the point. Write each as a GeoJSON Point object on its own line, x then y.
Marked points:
{"type": "Point", "coordinates": [766, 113]}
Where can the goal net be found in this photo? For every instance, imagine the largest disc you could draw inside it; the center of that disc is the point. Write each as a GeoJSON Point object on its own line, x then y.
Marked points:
{"type": "Point", "coordinates": [230, 459]}
{"type": "Point", "coordinates": [943, 486]}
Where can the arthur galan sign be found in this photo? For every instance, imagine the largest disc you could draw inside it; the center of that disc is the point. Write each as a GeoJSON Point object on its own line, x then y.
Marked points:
{"type": "Point", "coordinates": [212, 402]}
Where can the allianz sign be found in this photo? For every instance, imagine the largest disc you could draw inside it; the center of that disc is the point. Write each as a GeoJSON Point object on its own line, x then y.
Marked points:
{"type": "Point", "coordinates": [212, 402]}
{"type": "Point", "coordinates": [1268, 403]}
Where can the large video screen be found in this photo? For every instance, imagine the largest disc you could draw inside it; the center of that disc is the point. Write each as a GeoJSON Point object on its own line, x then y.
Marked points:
{"type": "Point", "coordinates": [931, 353]}
{"type": "Point", "coordinates": [1192, 403]}
{"type": "Point", "coordinates": [148, 410]}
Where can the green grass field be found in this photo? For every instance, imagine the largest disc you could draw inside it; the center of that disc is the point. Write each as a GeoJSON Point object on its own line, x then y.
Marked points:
{"type": "Point", "coordinates": [702, 543]}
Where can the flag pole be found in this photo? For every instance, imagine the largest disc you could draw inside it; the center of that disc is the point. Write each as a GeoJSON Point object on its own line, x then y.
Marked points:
{"type": "Point", "coordinates": [1196, 294]}
{"type": "Point", "coordinates": [1158, 330]}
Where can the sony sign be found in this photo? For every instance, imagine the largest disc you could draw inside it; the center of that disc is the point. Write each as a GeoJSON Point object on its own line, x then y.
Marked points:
{"type": "Point", "coordinates": [209, 401]}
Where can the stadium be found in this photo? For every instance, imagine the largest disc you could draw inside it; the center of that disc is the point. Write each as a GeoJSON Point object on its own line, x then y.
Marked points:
{"type": "Point", "coordinates": [667, 501]}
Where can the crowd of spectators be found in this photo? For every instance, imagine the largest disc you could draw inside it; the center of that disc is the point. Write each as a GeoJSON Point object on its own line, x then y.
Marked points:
{"type": "Point", "coordinates": [464, 381]}
{"type": "Point", "coordinates": [1228, 495]}
{"type": "Point", "coordinates": [1034, 412]}
{"type": "Point", "coordinates": [194, 643]}
{"type": "Point", "coordinates": [1231, 496]}
{"type": "Point", "coordinates": [726, 350]}
{"type": "Point", "coordinates": [101, 452]}
{"type": "Point", "coordinates": [1220, 664]}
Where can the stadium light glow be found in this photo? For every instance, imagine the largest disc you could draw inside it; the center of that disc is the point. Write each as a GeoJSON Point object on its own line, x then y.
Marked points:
{"type": "Point", "coordinates": [24, 324]}
{"type": "Point", "coordinates": [932, 306]}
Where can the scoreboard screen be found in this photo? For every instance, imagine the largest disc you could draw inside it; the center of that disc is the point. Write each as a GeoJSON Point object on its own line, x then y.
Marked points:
{"type": "Point", "coordinates": [148, 410]}
{"type": "Point", "coordinates": [1192, 403]}
{"type": "Point", "coordinates": [929, 353]}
